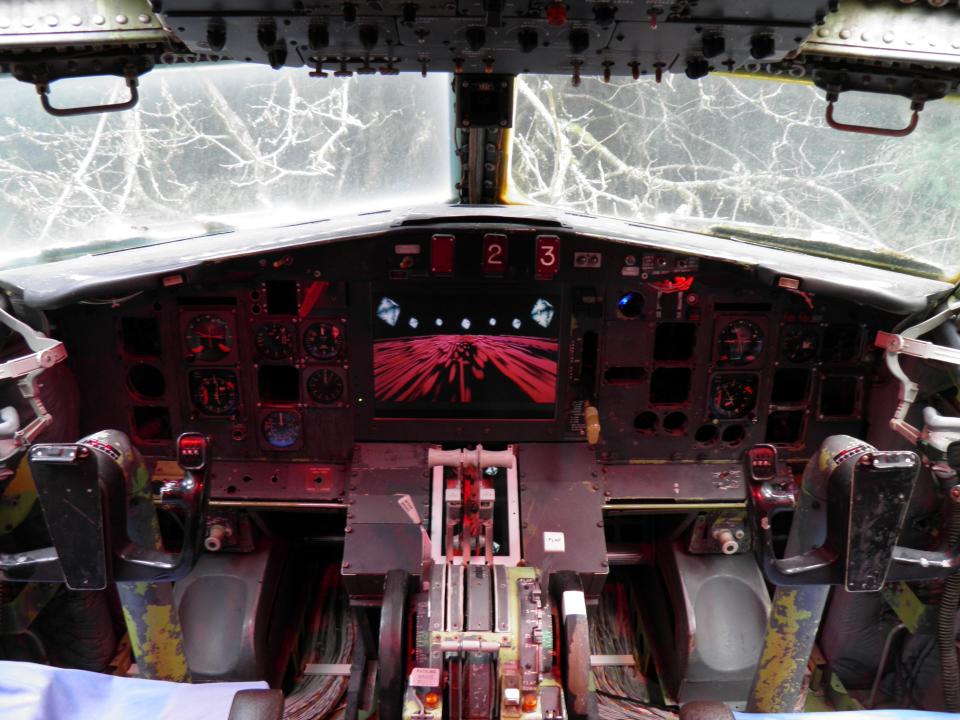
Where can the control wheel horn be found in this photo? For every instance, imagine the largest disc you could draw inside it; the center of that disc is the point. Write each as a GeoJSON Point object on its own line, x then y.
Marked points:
{"type": "Point", "coordinates": [574, 645]}
{"type": "Point", "coordinates": [98, 506]}
{"type": "Point", "coordinates": [392, 654]}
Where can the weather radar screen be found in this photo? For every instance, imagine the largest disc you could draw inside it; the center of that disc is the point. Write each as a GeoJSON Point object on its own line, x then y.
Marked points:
{"type": "Point", "coordinates": [465, 355]}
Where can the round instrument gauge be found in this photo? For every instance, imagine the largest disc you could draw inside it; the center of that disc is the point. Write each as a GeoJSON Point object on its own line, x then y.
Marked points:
{"type": "Point", "coordinates": [282, 428]}
{"type": "Point", "coordinates": [800, 343]}
{"type": "Point", "coordinates": [732, 396]}
{"type": "Point", "coordinates": [325, 386]}
{"type": "Point", "coordinates": [323, 340]}
{"type": "Point", "coordinates": [208, 338]}
{"type": "Point", "coordinates": [739, 343]}
{"type": "Point", "coordinates": [214, 392]}
{"type": "Point", "coordinates": [274, 341]}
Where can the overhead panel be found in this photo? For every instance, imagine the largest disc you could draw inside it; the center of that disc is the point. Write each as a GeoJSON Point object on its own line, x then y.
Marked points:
{"type": "Point", "coordinates": [499, 36]}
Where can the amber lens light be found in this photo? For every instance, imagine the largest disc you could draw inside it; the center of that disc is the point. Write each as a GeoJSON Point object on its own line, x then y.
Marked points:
{"type": "Point", "coordinates": [431, 699]}
{"type": "Point", "coordinates": [529, 703]}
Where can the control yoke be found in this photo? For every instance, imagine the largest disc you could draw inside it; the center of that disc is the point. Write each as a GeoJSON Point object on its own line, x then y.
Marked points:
{"type": "Point", "coordinates": [97, 503]}
{"type": "Point", "coordinates": [855, 498]}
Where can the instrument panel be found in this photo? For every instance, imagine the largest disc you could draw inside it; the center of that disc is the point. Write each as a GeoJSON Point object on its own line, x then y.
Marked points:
{"type": "Point", "coordinates": [465, 335]}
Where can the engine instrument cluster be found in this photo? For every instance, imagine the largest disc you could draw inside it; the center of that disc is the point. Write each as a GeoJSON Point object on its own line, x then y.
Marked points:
{"type": "Point", "coordinates": [466, 335]}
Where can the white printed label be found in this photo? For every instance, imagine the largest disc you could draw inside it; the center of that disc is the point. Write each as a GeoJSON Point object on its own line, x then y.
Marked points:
{"type": "Point", "coordinates": [574, 603]}
{"type": "Point", "coordinates": [425, 677]}
{"type": "Point", "coordinates": [553, 542]}
{"type": "Point", "coordinates": [406, 504]}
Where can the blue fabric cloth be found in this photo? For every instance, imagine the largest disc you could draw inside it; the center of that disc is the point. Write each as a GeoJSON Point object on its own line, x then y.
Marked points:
{"type": "Point", "coordinates": [40, 692]}
{"type": "Point", "coordinates": [858, 715]}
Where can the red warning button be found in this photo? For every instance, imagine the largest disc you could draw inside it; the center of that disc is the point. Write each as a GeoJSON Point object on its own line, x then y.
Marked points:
{"type": "Point", "coordinates": [441, 254]}
{"type": "Point", "coordinates": [548, 256]}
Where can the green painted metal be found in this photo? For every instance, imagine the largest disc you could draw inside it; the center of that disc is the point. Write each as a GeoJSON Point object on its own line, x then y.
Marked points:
{"type": "Point", "coordinates": [902, 600]}
{"type": "Point", "coordinates": [791, 631]}
{"type": "Point", "coordinates": [17, 615]}
{"type": "Point", "coordinates": [828, 693]}
{"type": "Point", "coordinates": [17, 500]}
{"type": "Point", "coordinates": [780, 680]}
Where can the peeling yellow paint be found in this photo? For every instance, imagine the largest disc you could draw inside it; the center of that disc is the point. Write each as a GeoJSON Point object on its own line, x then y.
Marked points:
{"type": "Point", "coordinates": [778, 662]}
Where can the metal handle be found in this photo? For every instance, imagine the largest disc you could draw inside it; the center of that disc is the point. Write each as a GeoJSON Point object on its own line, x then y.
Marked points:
{"type": "Point", "coordinates": [870, 130]}
{"type": "Point", "coordinates": [43, 89]}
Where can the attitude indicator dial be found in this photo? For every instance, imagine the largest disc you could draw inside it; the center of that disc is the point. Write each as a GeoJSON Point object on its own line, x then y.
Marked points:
{"type": "Point", "coordinates": [739, 343]}
{"type": "Point", "coordinates": [208, 338]}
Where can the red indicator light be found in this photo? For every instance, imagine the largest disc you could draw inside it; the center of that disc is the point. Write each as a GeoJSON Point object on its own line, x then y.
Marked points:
{"type": "Point", "coordinates": [556, 14]}
{"type": "Point", "coordinates": [441, 254]}
{"type": "Point", "coordinates": [548, 256]}
{"type": "Point", "coordinates": [315, 291]}
{"type": "Point", "coordinates": [192, 451]}
{"type": "Point", "coordinates": [494, 253]}
{"type": "Point", "coordinates": [680, 283]}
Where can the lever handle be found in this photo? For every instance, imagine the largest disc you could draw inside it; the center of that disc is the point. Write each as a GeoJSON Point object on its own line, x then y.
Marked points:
{"type": "Point", "coordinates": [43, 89]}
{"type": "Point", "coordinates": [870, 130]}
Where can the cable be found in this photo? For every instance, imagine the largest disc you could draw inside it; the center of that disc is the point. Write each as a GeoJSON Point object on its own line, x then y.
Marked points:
{"type": "Point", "coordinates": [318, 697]}
{"type": "Point", "coordinates": [947, 621]}
{"type": "Point", "coordinates": [622, 692]}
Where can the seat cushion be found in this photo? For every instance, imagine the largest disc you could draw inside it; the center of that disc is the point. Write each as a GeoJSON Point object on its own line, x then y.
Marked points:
{"type": "Point", "coordinates": [40, 692]}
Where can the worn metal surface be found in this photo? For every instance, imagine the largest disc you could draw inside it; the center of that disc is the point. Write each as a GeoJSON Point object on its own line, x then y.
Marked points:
{"type": "Point", "coordinates": [277, 481]}
{"type": "Point", "coordinates": [679, 482]}
{"type": "Point", "coordinates": [474, 36]}
{"type": "Point", "coordinates": [791, 631]}
{"type": "Point", "coordinates": [878, 496]}
{"type": "Point", "coordinates": [890, 31]}
{"type": "Point", "coordinates": [561, 510]}
{"type": "Point", "coordinates": [71, 22]}
{"type": "Point", "coordinates": [380, 536]}
{"type": "Point", "coordinates": [908, 607]}
{"type": "Point", "coordinates": [149, 610]}
{"type": "Point", "coordinates": [720, 605]}
{"type": "Point", "coordinates": [224, 607]}
{"type": "Point", "coordinates": [478, 602]}
{"type": "Point", "coordinates": [795, 614]}
{"type": "Point", "coordinates": [68, 485]}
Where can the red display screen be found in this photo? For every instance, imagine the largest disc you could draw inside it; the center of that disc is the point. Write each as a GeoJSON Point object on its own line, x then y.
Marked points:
{"type": "Point", "coordinates": [463, 356]}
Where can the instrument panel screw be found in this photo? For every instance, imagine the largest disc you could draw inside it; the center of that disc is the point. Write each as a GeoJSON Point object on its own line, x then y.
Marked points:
{"type": "Point", "coordinates": [348, 529]}
{"type": "Point", "coordinates": [345, 565]}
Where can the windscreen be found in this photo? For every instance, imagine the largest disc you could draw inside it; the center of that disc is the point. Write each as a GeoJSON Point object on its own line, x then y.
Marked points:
{"type": "Point", "coordinates": [211, 148]}
{"type": "Point", "coordinates": [746, 158]}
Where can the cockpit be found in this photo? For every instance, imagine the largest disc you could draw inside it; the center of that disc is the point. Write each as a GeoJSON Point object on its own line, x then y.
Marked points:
{"type": "Point", "coordinates": [474, 361]}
